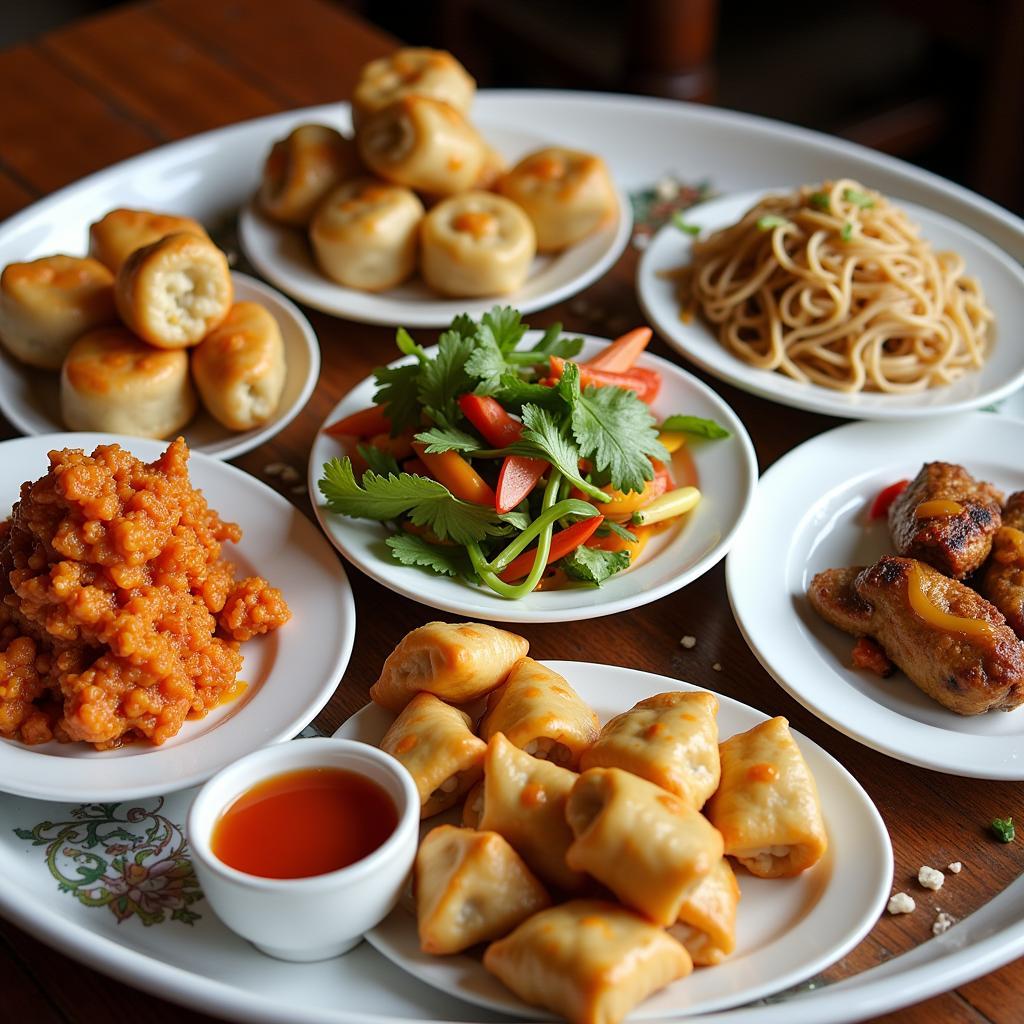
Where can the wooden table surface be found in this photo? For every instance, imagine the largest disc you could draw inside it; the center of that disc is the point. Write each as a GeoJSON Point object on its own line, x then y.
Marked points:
{"type": "Point", "coordinates": [103, 89]}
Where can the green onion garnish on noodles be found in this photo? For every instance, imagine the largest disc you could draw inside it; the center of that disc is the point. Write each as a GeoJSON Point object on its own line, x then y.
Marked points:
{"type": "Point", "coordinates": [770, 221]}
{"type": "Point", "coordinates": [679, 222]}
{"type": "Point", "coordinates": [820, 200]}
{"type": "Point", "coordinates": [861, 199]}
{"type": "Point", "coordinates": [847, 231]}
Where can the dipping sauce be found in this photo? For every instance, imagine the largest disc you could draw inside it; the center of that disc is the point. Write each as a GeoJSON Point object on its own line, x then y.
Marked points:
{"type": "Point", "coordinates": [302, 823]}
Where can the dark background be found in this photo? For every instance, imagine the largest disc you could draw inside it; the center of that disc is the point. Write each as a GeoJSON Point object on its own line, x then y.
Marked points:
{"type": "Point", "coordinates": [937, 82]}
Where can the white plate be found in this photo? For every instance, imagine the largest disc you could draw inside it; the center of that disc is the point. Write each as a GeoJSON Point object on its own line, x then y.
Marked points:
{"type": "Point", "coordinates": [291, 673]}
{"type": "Point", "coordinates": [727, 472]}
{"type": "Point", "coordinates": [283, 255]}
{"type": "Point", "coordinates": [787, 929]}
{"type": "Point", "coordinates": [30, 398]}
{"type": "Point", "coordinates": [810, 514]}
{"type": "Point", "coordinates": [1001, 278]}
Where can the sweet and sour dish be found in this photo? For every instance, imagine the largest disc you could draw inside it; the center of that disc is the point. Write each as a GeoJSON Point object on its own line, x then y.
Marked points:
{"type": "Point", "coordinates": [119, 617]}
{"type": "Point", "coordinates": [597, 864]}
{"type": "Point", "coordinates": [144, 330]}
{"type": "Point", "coordinates": [948, 606]}
{"type": "Point", "coordinates": [418, 189]}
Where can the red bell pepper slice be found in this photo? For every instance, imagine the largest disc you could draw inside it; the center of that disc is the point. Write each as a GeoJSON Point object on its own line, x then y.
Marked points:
{"type": "Point", "coordinates": [623, 352]}
{"type": "Point", "coordinates": [364, 423]}
{"type": "Point", "coordinates": [517, 478]}
{"type": "Point", "coordinates": [646, 383]}
{"type": "Point", "coordinates": [562, 543]}
{"type": "Point", "coordinates": [495, 425]}
{"type": "Point", "coordinates": [885, 497]}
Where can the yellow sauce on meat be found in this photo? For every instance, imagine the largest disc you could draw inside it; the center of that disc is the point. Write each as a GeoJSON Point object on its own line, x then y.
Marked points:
{"type": "Point", "coordinates": [923, 607]}
{"type": "Point", "coordinates": [1008, 546]}
{"type": "Point", "coordinates": [938, 507]}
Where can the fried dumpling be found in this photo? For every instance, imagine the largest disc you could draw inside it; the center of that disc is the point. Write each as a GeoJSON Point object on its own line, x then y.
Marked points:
{"type": "Point", "coordinates": [115, 236]}
{"type": "Point", "coordinates": [471, 887]}
{"type": "Point", "coordinates": [707, 918]}
{"type": "Point", "coordinates": [456, 661]}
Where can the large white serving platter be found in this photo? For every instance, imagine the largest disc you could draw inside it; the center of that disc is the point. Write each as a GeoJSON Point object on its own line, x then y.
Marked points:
{"type": "Point", "coordinates": [810, 514]}
{"type": "Point", "coordinates": [1000, 276]}
{"type": "Point", "coordinates": [283, 255]}
{"type": "Point", "coordinates": [727, 476]}
{"type": "Point", "coordinates": [210, 177]}
{"type": "Point", "coordinates": [291, 673]}
{"type": "Point", "coordinates": [787, 929]}
{"type": "Point", "coordinates": [30, 398]}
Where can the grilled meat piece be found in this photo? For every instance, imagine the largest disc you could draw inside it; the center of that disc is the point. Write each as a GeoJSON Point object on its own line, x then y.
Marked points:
{"type": "Point", "coordinates": [970, 669]}
{"type": "Point", "coordinates": [1003, 579]}
{"type": "Point", "coordinates": [957, 544]}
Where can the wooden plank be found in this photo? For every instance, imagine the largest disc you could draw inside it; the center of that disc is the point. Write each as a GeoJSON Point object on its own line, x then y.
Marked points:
{"type": "Point", "coordinates": [58, 130]}
{"type": "Point", "coordinates": [312, 54]}
{"type": "Point", "coordinates": [13, 195]}
{"type": "Point", "coordinates": [24, 998]}
{"type": "Point", "coordinates": [156, 74]}
{"type": "Point", "coordinates": [944, 1009]}
{"type": "Point", "coordinates": [998, 996]}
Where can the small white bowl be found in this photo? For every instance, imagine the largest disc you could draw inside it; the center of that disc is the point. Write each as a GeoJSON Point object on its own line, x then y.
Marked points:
{"type": "Point", "coordinates": [321, 916]}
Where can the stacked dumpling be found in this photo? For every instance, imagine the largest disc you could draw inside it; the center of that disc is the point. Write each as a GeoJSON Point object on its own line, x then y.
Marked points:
{"type": "Point", "coordinates": [417, 188]}
{"type": "Point", "coordinates": [139, 325]}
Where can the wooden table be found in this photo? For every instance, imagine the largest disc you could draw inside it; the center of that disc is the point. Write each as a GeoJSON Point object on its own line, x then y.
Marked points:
{"type": "Point", "coordinates": [108, 87]}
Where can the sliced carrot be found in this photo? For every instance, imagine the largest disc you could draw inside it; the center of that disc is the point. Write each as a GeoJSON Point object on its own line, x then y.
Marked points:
{"type": "Point", "coordinates": [400, 447]}
{"type": "Point", "coordinates": [495, 425]}
{"type": "Point", "coordinates": [646, 383]}
{"type": "Point", "coordinates": [452, 470]}
{"type": "Point", "coordinates": [365, 423]}
{"type": "Point", "coordinates": [623, 352]}
{"type": "Point", "coordinates": [613, 542]}
{"type": "Point", "coordinates": [562, 543]}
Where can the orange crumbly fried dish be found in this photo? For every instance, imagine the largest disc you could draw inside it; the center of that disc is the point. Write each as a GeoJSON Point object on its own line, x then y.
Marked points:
{"type": "Point", "coordinates": [119, 619]}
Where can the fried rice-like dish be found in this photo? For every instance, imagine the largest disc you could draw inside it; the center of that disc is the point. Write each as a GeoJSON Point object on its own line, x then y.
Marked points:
{"type": "Point", "coordinates": [119, 619]}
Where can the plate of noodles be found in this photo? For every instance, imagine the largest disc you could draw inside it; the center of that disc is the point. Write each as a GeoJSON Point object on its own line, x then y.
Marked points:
{"type": "Point", "coordinates": [835, 299]}
{"type": "Point", "coordinates": [162, 613]}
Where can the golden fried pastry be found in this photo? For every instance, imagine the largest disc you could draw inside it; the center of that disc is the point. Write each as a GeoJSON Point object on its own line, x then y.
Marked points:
{"type": "Point", "coordinates": [111, 381]}
{"type": "Point", "coordinates": [412, 71]}
{"type": "Point", "coordinates": [365, 234]}
{"type": "Point", "coordinates": [46, 304]}
{"type": "Point", "coordinates": [494, 166]}
{"type": "Point", "coordinates": [707, 918]}
{"type": "Point", "coordinates": [114, 237]}
{"type": "Point", "coordinates": [456, 661]}
{"type": "Point", "coordinates": [471, 887]}
{"type": "Point", "coordinates": [423, 144]}
{"type": "Point", "coordinates": [565, 193]}
{"type": "Point", "coordinates": [174, 292]}
{"type": "Point", "coordinates": [301, 169]}
{"type": "Point", "coordinates": [239, 367]}
{"type": "Point", "coordinates": [474, 244]}
{"type": "Point", "coordinates": [588, 961]}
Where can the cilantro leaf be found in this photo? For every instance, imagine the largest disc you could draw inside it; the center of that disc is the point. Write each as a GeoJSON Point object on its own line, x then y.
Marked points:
{"type": "Point", "coordinates": [543, 438]}
{"type": "Point", "coordinates": [858, 198]}
{"type": "Point", "coordinates": [517, 520]}
{"type": "Point", "coordinates": [614, 429]}
{"type": "Point", "coordinates": [503, 326]}
{"type": "Point", "coordinates": [610, 526]}
{"type": "Point", "coordinates": [487, 363]}
{"type": "Point", "coordinates": [448, 439]}
{"type": "Point", "coordinates": [1003, 829]}
{"type": "Point", "coordinates": [444, 378]}
{"type": "Point", "coordinates": [554, 344]}
{"type": "Point", "coordinates": [513, 392]}
{"type": "Point", "coordinates": [398, 391]}
{"type": "Point", "coordinates": [593, 565]}
{"type": "Point", "coordinates": [444, 559]}
{"type": "Point", "coordinates": [697, 425]}
{"type": "Point", "coordinates": [426, 502]}
{"type": "Point", "coordinates": [380, 462]}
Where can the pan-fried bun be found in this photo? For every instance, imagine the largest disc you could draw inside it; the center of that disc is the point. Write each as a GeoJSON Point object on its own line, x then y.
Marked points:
{"type": "Point", "coordinates": [239, 367]}
{"type": "Point", "coordinates": [301, 169]}
{"type": "Point", "coordinates": [111, 381]}
{"type": "Point", "coordinates": [113, 238]}
{"type": "Point", "coordinates": [476, 243]}
{"type": "Point", "coordinates": [47, 303]}
{"type": "Point", "coordinates": [365, 234]}
{"type": "Point", "coordinates": [174, 292]}
{"type": "Point", "coordinates": [567, 195]}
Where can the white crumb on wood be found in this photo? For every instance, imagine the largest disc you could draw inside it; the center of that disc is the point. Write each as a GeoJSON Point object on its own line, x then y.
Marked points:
{"type": "Point", "coordinates": [930, 878]}
{"type": "Point", "coordinates": [901, 903]}
{"type": "Point", "coordinates": [689, 642]}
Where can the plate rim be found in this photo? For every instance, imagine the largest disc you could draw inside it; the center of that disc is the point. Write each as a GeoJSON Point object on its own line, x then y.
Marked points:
{"type": "Point", "coordinates": [655, 682]}
{"type": "Point", "coordinates": [589, 604]}
{"type": "Point", "coordinates": [296, 719]}
{"type": "Point", "coordinates": [245, 440]}
{"type": "Point", "coordinates": [726, 367]}
{"type": "Point", "coordinates": [969, 764]}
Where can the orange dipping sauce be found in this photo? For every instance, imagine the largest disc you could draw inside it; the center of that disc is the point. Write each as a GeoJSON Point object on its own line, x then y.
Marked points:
{"type": "Point", "coordinates": [302, 823]}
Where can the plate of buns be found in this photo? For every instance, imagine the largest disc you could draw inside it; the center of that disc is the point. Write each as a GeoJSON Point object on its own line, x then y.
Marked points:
{"type": "Point", "coordinates": [420, 215]}
{"type": "Point", "coordinates": [151, 335]}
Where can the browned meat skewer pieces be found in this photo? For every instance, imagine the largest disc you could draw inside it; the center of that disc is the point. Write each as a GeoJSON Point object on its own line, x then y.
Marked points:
{"type": "Point", "coordinates": [972, 664]}
{"type": "Point", "coordinates": [956, 544]}
{"type": "Point", "coordinates": [1003, 580]}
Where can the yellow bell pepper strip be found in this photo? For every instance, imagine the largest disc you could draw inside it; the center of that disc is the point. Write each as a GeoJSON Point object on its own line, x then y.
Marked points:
{"type": "Point", "coordinates": [452, 470]}
{"type": "Point", "coordinates": [668, 506]}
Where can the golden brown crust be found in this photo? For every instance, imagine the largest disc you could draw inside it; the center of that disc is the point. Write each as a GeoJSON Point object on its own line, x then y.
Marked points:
{"type": "Point", "coordinates": [115, 236]}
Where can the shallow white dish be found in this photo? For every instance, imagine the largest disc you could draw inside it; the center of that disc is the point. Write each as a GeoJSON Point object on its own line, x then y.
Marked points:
{"type": "Point", "coordinates": [1001, 278]}
{"type": "Point", "coordinates": [30, 398]}
{"type": "Point", "coordinates": [727, 474]}
{"type": "Point", "coordinates": [283, 255]}
{"type": "Point", "coordinates": [787, 929]}
{"type": "Point", "coordinates": [291, 673]}
{"type": "Point", "coordinates": [810, 514]}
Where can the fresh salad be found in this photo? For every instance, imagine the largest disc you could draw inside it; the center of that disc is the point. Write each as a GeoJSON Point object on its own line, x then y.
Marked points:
{"type": "Point", "coordinates": [514, 467]}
